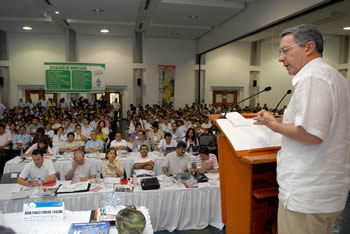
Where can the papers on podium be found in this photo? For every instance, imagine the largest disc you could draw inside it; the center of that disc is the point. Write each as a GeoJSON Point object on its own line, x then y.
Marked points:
{"type": "Point", "coordinates": [244, 135]}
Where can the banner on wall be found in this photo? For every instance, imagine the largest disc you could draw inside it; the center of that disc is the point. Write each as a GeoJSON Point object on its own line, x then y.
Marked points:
{"type": "Point", "coordinates": [166, 74]}
{"type": "Point", "coordinates": [74, 77]}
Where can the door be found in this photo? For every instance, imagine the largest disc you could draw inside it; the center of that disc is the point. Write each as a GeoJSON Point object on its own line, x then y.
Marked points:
{"type": "Point", "coordinates": [224, 98]}
{"type": "Point", "coordinates": [111, 95]}
{"type": "Point", "coordinates": [36, 95]}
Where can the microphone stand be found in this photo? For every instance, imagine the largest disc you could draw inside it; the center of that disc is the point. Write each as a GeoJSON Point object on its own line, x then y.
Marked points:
{"type": "Point", "coordinates": [236, 104]}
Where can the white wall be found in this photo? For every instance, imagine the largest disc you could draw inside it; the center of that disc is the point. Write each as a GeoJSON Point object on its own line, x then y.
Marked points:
{"type": "Point", "coordinates": [257, 15]}
{"type": "Point", "coordinates": [180, 53]}
{"type": "Point", "coordinates": [116, 53]}
{"type": "Point", "coordinates": [228, 66]}
{"type": "Point", "coordinates": [27, 54]}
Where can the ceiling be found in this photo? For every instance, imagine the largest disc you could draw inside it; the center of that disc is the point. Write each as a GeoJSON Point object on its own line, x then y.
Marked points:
{"type": "Point", "coordinates": [181, 19]}
{"type": "Point", "coordinates": [329, 20]}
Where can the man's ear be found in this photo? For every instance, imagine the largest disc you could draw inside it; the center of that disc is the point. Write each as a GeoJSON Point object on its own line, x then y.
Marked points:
{"type": "Point", "coordinates": [310, 47]}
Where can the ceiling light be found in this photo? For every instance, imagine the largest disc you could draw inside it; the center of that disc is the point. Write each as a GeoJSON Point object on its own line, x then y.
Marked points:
{"type": "Point", "coordinates": [97, 10]}
{"type": "Point", "coordinates": [104, 30]}
{"type": "Point", "coordinates": [27, 28]}
{"type": "Point", "coordinates": [193, 16]}
{"type": "Point", "coordinates": [346, 28]}
{"type": "Point", "coordinates": [57, 12]}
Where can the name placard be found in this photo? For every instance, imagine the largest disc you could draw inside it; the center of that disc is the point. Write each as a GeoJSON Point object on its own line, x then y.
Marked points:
{"type": "Point", "coordinates": [43, 210]}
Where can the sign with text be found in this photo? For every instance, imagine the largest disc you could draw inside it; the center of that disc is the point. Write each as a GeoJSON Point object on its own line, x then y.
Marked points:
{"type": "Point", "coordinates": [74, 77]}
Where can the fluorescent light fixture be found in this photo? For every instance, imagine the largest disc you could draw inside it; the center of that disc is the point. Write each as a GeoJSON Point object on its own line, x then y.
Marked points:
{"type": "Point", "coordinates": [98, 10]}
{"type": "Point", "coordinates": [104, 30]}
{"type": "Point", "coordinates": [57, 12]}
{"type": "Point", "coordinates": [346, 28]}
{"type": "Point", "coordinates": [27, 28]}
{"type": "Point", "coordinates": [193, 16]}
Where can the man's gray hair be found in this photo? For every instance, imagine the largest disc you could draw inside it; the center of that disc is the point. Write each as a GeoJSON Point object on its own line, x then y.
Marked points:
{"type": "Point", "coordinates": [304, 33]}
{"type": "Point", "coordinates": [78, 152]}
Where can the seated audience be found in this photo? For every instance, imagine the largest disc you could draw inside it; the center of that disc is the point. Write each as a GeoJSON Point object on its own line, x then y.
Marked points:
{"type": "Point", "coordinates": [112, 167]}
{"type": "Point", "coordinates": [59, 137]}
{"type": "Point", "coordinates": [119, 143]}
{"type": "Point", "coordinates": [38, 168]}
{"type": "Point", "coordinates": [100, 134]}
{"type": "Point", "coordinates": [86, 128]}
{"type": "Point", "coordinates": [168, 141]}
{"type": "Point", "coordinates": [141, 140]}
{"type": "Point", "coordinates": [191, 139]}
{"type": "Point", "coordinates": [94, 145]}
{"type": "Point", "coordinates": [178, 161]}
{"type": "Point", "coordinates": [41, 145]}
{"type": "Point", "coordinates": [177, 134]}
{"type": "Point", "coordinates": [34, 126]}
{"type": "Point", "coordinates": [82, 169]}
{"type": "Point", "coordinates": [69, 146]}
{"type": "Point", "coordinates": [79, 136]}
{"type": "Point", "coordinates": [48, 131]}
{"type": "Point", "coordinates": [21, 140]}
{"type": "Point", "coordinates": [133, 135]}
{"type": "Point", "coordinates": [155, 135]}
{"type": "Point", "coordinates": [144, 162]}
{"type": "Point", "coordinates": [206, 162]}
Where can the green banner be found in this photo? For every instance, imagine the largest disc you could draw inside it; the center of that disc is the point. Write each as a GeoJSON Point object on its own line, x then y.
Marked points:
{"type": "Point", "coordinates": [74, 77]}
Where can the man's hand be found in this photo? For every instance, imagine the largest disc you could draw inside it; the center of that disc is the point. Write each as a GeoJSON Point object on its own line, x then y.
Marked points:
{"type": "Point", "coordinates": [33, 183]}
{"type": "Point", "coordinates": [84, 179]}
{"type": "Point", "coordinates": [192, 170]}
{"type": "Point", "coordinates": [266, 118]}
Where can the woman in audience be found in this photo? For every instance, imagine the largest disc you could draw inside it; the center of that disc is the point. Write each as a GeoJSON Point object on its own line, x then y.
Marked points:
{"type": "Point", "coordinates": [42, 145]}
{"type": "Point", "coordinates": [102, 125]}
{"type": "Point", "coordinates": [100, 134]}
{"type": "Point", "coordinates": [112, 167]}
{"type": "Point", "coordinates": [191, 139]}
{"type": "Point", "coordinates": [133, 135]}
{"type": "Point", "coordinates": [155, 135]}
{"type": "Point", "coordinates": [12, 130]}
{"type": "Point", "coordinates": [59, 137]}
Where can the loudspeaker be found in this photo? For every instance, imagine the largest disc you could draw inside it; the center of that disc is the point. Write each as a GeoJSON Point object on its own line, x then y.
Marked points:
{"type": "Point", "coordinates": [138, 81]}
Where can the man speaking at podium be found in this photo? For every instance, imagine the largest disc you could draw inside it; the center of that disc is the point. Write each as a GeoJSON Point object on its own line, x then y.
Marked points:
{"type": "Point", "coordinates": [313, 163]}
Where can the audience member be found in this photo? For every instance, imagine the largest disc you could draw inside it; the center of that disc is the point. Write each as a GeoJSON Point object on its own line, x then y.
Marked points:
{"type": "Point", "coordinates": [82, 169]}
{"type": "Point", "coordinates": [144, 162]}
{"type": "Point", "coordinates": [112, 167]}
{"type": "Point", "coordinates": [39, 170]}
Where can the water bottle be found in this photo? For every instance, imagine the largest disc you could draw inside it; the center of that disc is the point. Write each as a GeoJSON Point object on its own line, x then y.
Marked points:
{"type": "Point", "coordinates": [134, 180]}
{"type": "Point", "coordinates": [98, 177]}
{"type": "Point", "coordinates": [40, 185]}
{"type": "Point", "coordinates": [21, 154]}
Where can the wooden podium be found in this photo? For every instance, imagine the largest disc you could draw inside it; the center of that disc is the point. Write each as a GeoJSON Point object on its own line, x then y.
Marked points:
{"type": "Point", "coordinates": [249, 191]}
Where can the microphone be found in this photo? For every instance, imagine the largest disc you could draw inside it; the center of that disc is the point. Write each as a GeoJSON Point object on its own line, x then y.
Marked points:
{"type": "Point", "coordinates": [268, 88]}
{"type": "Point", "coordinates": [288, 92]}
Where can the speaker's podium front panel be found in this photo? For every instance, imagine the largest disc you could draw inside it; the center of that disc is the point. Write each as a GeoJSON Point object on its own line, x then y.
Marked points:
{"type": "Point", "coordinates": [248, 187]}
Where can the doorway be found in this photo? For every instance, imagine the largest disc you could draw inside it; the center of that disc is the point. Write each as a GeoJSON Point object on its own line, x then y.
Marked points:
{"type": "Point", "coordinates": [36, 95]}
{"type": "Point", "coordinates": [110, 96]}
{"type": "Point", "coordinates": [224, 98]}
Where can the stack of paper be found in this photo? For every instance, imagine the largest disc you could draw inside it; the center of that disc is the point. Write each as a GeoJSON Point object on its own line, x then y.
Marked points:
{"type": "Point", "coordinates": [244, 135]}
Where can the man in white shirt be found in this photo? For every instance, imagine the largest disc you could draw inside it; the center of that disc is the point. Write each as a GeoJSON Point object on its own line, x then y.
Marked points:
{"type": "Point", "coordinates": [313, 163]}
{"type": "Point", "coordinates": [38, 171]}
{"type": "Point", "coordinates": [116, 107]}
{"type": "Point", "coordinates": [70, 145]}
{"type": "Point", "coordinates": [5, 141]}
{"type": "Point", "coordinates": [168, 141]}
{"type": "Point", "coordinates": [82, 169]}
{"type": "Point", "coordinates": [119, 143]}
{"type": "Point", "coordinates": [144, 162]}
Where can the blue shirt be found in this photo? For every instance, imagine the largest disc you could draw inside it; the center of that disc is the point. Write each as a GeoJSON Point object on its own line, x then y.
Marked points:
{"type": "Point", "coordinates": [92, 143]}
{"type": "Point", "coordinates": [33, 128]}
{"type": "Point", "coordinates": [24, 138]}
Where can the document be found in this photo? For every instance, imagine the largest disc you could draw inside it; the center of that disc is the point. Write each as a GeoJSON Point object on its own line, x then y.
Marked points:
{"type": "Point", "coordinates": [71, 188]}
{"type": "Point", "coordinates": [244, 135]}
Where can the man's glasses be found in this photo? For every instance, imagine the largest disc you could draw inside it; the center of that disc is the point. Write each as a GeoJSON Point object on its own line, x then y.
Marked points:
{"type": "Point", "coordinates": [284, 50]}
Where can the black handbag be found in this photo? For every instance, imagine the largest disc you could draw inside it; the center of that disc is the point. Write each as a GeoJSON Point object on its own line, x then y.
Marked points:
{"type": "Point", "coordinates": [150, 183]}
